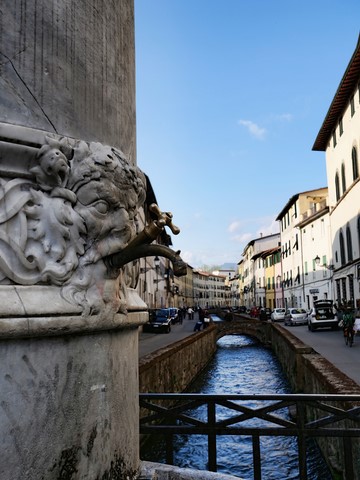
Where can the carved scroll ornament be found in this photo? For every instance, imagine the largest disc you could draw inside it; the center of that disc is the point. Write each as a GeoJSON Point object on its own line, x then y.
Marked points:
{"type": "Point", "coordinates": [78, 206]}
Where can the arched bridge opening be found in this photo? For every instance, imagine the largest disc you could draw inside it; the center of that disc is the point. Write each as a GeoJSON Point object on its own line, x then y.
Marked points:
{"type": "Point", "coordinates": [241, 326]}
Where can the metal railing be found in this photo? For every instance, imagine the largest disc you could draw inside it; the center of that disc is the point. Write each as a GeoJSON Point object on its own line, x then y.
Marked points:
{"type": "Point", "coordinates": [311, 416]}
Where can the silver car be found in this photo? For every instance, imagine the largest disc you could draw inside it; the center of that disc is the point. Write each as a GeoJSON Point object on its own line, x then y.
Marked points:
{"type": "Point", "coordinates": [277, 315]}
{"type": "Point", "coordinates": [295, 316]}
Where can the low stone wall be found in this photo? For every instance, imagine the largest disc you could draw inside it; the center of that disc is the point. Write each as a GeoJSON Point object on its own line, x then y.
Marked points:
{"type": "Point", "coordinates": [309, 372]}
{"type": "Point", "coordinates": [172, 369]}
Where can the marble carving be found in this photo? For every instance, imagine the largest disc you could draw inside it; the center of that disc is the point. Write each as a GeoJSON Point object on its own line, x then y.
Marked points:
{"type": "Point", "coordinates": [79, 205]}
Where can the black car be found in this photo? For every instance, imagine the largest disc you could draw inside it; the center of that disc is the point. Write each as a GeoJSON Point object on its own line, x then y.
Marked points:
{"type": "Point", "coordinates": [174, 314]}
{"type": "Point", "coordinates": [159, 321]}
{"type": "Point", "coordinates": [242, 309]}
{"type": "Point", "coordinates": [265, 314]}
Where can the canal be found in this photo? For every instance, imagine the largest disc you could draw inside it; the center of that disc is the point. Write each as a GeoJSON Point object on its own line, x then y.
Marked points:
{"type": "Point", "coordinates": [241, 365]}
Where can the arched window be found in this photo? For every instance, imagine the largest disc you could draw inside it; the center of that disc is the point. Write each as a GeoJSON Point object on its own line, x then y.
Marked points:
{"type": "Point", "coordinates": [349, 243]}
{"type": "Point", "coordinates": [337, 186]}
{"type": "Point", "coordinates": [342, 248]}
{"type": "Point", "coordinates": [343, 178]}
{"type": "Point", "coordinates": [355, 167]}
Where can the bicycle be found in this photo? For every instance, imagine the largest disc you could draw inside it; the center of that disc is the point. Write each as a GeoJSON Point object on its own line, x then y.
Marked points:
{"type": "Point", "coordinates": [349, 336]}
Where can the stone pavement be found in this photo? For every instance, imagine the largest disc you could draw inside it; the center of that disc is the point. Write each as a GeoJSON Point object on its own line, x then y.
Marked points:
{"type": "Point", "coordinates": [331, 345]}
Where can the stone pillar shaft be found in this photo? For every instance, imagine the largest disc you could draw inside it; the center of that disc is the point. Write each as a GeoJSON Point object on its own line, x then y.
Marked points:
{"type": "Point", "coordinates": [70, 194]}
{"type": "Point", "coordinates": [67, 66]}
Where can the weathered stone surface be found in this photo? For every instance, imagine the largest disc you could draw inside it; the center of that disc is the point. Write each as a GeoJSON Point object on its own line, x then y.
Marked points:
{"type": "Point", "coordinates": [173, 368]}
{"type": "Point", "coordinates": [67, 66]}
{"type": "Point", "coordinates": [68, 354]}
{"type": "Point", "coordinates": [157, 471]}
{"type": "Point", "coordinates": [68, 406]}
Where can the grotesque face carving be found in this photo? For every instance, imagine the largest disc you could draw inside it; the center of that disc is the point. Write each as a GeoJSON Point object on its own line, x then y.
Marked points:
{"type": "Point", "coordinates": [82, 208]}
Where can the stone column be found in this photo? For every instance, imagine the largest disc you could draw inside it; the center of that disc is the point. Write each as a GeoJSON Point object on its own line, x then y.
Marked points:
{"type": "Point", "coordinates": [70, 193]}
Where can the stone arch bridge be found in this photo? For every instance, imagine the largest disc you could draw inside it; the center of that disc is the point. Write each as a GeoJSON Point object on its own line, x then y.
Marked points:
{"type": "Point", "coordinates": [245, 326]}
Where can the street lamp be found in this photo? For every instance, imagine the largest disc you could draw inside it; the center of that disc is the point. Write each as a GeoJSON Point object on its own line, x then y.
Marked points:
{"type": "Point", "coordinates": [157, 262]}
{"type": "Point", "coordinates": [157, 265]}
{"type": "Point", "coordinates": [144, 270]}
{"type": "Point", "coordinates": [279, 282]}
{"type": "Point", "coordinates": [317, 262]}
{"type": "Point", "coordinates": [328, 267]}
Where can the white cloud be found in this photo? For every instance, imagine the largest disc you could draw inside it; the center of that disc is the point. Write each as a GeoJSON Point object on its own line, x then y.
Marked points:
{"type": "Point", "coordinates": [188, 257]}
{"type": "Point", "coordinates": [255, 228]}
{"type": "Point", "coordinates": [287, 117]}
{"type": "Point", "coordinates": [253, 129]}
{"type": "Point", "coordinates": [269, 227]}
{"type": "Point", "coordinates": [243, 238]}
{"type": "Point", "coordinates": [234, 226]}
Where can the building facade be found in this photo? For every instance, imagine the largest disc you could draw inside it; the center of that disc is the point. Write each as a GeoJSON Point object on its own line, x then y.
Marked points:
{"type": "Point", "coordinates": [252, 291]}
{"type": "Point", "coordinates": [339, 138]}
{"type": "Point", "coordinates": [304, 236]}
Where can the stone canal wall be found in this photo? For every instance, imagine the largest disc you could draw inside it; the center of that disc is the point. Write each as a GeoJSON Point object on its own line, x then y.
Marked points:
{"type": "Point", "coordinates": [310, 372]}
{"type": "Point", "coordinates": [307, 370]}
{"type": "Point", "coordinates": [172, 369]}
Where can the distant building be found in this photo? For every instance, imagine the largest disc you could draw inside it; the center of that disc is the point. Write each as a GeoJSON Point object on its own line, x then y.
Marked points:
{"type": "Point", "coordinates": [210, 289]}
{"type": "Point", "coordinates": [304, 233]}
{"type": "Point", "coordinates": [252, 270]}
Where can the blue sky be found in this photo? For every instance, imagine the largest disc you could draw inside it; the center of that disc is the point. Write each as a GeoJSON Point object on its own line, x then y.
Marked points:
{"type": "Point", "coordinates": [231, 95]}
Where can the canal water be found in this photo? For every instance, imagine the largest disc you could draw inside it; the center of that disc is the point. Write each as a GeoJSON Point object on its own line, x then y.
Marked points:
{"type": "Point", "coordinates": [241, 365]}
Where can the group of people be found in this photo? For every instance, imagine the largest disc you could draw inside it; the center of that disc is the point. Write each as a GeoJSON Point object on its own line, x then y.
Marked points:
{"type": "Point", "coordinates": [189, 312]}
{"type": "Point", "coordinates": [203, 321]}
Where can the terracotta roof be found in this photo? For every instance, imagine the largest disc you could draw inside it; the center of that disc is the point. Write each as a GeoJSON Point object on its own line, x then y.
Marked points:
{"type": "Point", "coordinates": [340, 101]}
{"type": "Point", "coordinates": [265, 253]}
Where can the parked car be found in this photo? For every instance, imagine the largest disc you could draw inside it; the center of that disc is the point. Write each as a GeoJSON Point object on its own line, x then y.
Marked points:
{"type": "Point", "coordinates": [159, 321]}
{"type": "Point", "coordinates": [322, 315]}
{"type": "Point", "coordinates": [277, 315]}
{"type": "Point", "coordinates": [264, 314]}
{"type": "Point", "coordinates": [242, 309]}
{"type": "Point", "coordinates": [295, 316]}
{"type": "Point", "coordinates": [174, 314]}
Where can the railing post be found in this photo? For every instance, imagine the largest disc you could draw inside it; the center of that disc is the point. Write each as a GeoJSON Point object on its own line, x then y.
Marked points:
{"type": "Point", "coordinates": [300, 413]}
{"type": "Point", "coordinates": [169, 439]}
{"type": "Point", "coordinates": [348, 458]}
{"type": "Point", "coordinates": [256, 457]}
{"type": "Point", "coordinates": [211, 436]}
